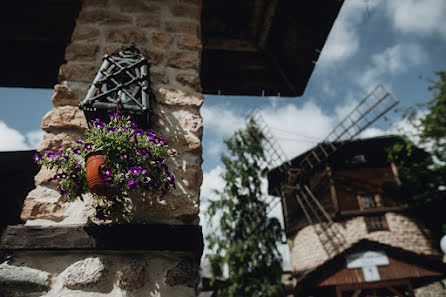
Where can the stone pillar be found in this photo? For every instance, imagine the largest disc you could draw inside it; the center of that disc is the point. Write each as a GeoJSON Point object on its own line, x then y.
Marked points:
{"type": "Point", "coordinates": [83, 261]}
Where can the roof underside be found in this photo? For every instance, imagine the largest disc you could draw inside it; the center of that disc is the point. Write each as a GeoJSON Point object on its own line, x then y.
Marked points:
{"type": "Point", "coordinates": [250, 47]}
{"type": "Point", "coordinates": [256, 47]}
{"type": "Point", "coordinates": [34, 34]}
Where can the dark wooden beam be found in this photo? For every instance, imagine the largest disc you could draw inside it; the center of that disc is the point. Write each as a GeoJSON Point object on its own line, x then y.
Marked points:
{"type": "Point", "coordinates": [375, 210]}
{"type": "Point", "coordinates": [230, 44]}
{"type": "Point", "coordinates": [267, 23]}
{"type": "Point", "coordinates": [154, 237]}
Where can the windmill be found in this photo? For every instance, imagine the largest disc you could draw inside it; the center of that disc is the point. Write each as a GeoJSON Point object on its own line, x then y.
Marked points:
{"type": "Point", "coordinates": [368, 111]}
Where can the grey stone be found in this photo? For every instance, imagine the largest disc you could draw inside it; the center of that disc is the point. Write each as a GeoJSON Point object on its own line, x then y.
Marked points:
{"type": "Point", "coordinates": [185, 274]}
{"type": "Point", "coordinates": [132, 276]}
{"type": "Point", "coordinates": [83, 273]}
{"type": "Point", "coordinates": [25, 278]}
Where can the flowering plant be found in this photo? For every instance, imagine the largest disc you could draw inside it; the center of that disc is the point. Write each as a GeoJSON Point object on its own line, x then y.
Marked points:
{"type": "Point", "coordinates": [135, 160]}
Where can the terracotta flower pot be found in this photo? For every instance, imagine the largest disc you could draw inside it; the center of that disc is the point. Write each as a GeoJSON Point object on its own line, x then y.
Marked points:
{"type": "Point", "coordinates": [95, 178]}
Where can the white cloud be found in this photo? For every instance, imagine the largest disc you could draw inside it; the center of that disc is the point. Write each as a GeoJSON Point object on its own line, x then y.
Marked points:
{"type": "Point", "coordinates": [34, 138]}
{"type": "Point", "coordinates": [13, 140]}
{"type": "Point", "coordinates": [422, 17]}
{"type": "Point", "coordinates": [393, 60]}
{"type": "Point", "coordinates": [223, 122]}
{"type": "Point", "coordinates": [343, 40]}
{"type": "Point", "coordinates": [297, 129]}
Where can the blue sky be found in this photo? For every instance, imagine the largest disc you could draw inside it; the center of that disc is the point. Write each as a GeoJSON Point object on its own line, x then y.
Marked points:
{"type": "Point", "coordinates": [393, 42]}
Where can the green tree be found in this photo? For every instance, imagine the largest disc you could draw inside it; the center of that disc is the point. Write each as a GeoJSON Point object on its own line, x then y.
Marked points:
{"type": "Point", "coordinates": [423, 175]}
{"type": "Point", "coordinates": [246, 240]}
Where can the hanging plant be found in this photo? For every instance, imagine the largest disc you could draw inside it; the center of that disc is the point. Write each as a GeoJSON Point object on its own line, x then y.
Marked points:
{"type": "Point", "coordinates": [116, 159]}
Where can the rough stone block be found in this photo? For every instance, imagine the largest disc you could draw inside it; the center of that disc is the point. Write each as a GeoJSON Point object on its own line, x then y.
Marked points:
{"type": "Point", "coordinates": [184, 60]}
{"type": "Point", "coordinates": [183, 27]}
{"type": "Point", "coordinates": [111, 49]}
{"type": "Point", "coordinates": [158, 77]}
{"type": "Point", "coordinates": [161, 40]}
{"type": "Point", "coordinates": [185, 274]}
{"type": "Point", "coordinates": [132, 275]}
{"type": "Point", "coordinates": [84, 273]}
{"type": "Point", "coordinates": [179, 98]}
{"type": "Point", "coordinates": [102, 17]}
{"type": "Point", "coordinates": [23, 278]}
{"type": "Point", "coordinates": [153, 56]}
{"type": "Point", "coordinates": [81, 52]}
{"type": "Point", "coordinates": [51, 141]}
{"type": "Point", "coordinates": [189, 42]}
{"type": "Point", "coordinates": [138, 6]}
{"type": "Point", "coordinates": [186, 11]}
{"type": "Point", "coordinates": [77, 72]}
{"type": "Point", "coordinates": [84, 33]}
{"type": "Point", "coordinates": [43, 176]}
{"type": "Point", "coordinates": [125, 35]}
{"type": "Point", "coordinates": [148, 21]}
{"type": "Point", "coordinates": [63, 117]}
{"type": "Point", "coordinates": [63, 95]}
{"type": "Point", "coordinates": [43, 203]}
{"type": "Point", "coordinates": [192, 80]}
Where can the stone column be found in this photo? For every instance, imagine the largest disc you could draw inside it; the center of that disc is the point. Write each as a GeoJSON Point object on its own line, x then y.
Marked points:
{"type": "Point", "coordinates": [58, 252]}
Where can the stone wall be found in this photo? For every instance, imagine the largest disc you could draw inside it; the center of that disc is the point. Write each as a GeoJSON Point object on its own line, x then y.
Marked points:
{"type": "Point", "coordinates": [436, 289]}
{"type": "Point", "coordinates": [98, 274]}
{"type": "Point", "coordinates": [167, 32]}
{"type": "Point", "coordinates": [307, 251]}
{"type": "Point", "coordinates": [168, 35]}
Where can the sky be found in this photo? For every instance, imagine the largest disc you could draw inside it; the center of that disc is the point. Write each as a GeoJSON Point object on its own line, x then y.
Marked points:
{"type": "Point", "coordinates": [397, 43]}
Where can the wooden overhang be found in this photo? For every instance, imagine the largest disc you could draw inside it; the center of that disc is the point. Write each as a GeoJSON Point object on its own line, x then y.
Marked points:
{"type": "Point", "coordinates": [404, 266]}
{"type": "Point", "coordinates": [34, 35]}
{"type": "Point", "coordinates": [250, 47]}
{"type": "Point", "coordinates": [255, 47]}
{"type": "Point", "coordinates": [17, 173]}
{"type": "Point", "coordinates": [327, 186]}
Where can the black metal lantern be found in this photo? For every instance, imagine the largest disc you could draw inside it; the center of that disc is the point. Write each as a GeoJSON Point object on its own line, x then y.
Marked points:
{"type": "Point", "coordinates": [122, 83]}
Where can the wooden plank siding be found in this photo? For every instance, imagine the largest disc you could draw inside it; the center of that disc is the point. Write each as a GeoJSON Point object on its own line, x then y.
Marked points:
{"type": "Point", "coordinates": [395, 270]}
{"type": "Point", "coordinates": [349, 183]}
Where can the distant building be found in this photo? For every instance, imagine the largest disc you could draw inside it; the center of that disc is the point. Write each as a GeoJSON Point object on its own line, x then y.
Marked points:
{"type": "Point", "coordinates": [349, 237]}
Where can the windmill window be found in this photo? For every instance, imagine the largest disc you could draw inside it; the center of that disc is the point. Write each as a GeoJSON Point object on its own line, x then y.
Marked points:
{"type": "Point", "coordinates": [369, 201]}
{"type": "Point", "coordinates": [376, 223]}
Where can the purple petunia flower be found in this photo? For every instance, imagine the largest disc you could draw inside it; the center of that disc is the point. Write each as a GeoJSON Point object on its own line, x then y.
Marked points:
{"type": "Point", "coordinates": [133, 183]}
{"type": "Point", "coordinates": [107, 172]}
{"type": "Point", "coordinates": [61, 191]}
{"type": "Point", "coordinates": [123, 155]}
{"type": "Point", "coordinates": [133, 125]}
{"type": "Point", "coordinates": [73, 175]}
{"type": "Point", "coordinates": [150, 132]}
{"type": "Point", "coordinates": [59, 148]}
{"type": "Point", "coordinates": [138, 132]}
{"type": "Point", "coordinates": [77, 166]}
{"type": "Point", "coordinates": [98, 124]}
{"type": "Point", "coordinates": [135, 170]}
{"type": "Point", "coordinates": [108, 180]}
{"type": "Point", "coordinates": [171, 179]}
{"type": "Point", "coordinates": [77, 151]}
{"type": "Point", "coordinates": [123, 128]}
{"type": "Point", "coordinates": [50, 154]}
{"type": "Point", "coordinates": [114, 116]}
{"type": "Point", "coordinates": [88, 146]}
{"type": "Point", "coordinates": [144, 152]}
{"type": "Point", "coordinates": [37, 158]}
{"type": "Point", "coordinates": [110, 129]}
{"type": "Point", "coordinates": [79, 142]}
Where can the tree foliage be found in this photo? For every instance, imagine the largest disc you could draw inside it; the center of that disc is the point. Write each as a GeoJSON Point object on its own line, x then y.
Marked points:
{"type": "Point", "coordinates": [423, 176]}
{"type": "Point", "coordinates": [246, 240]}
